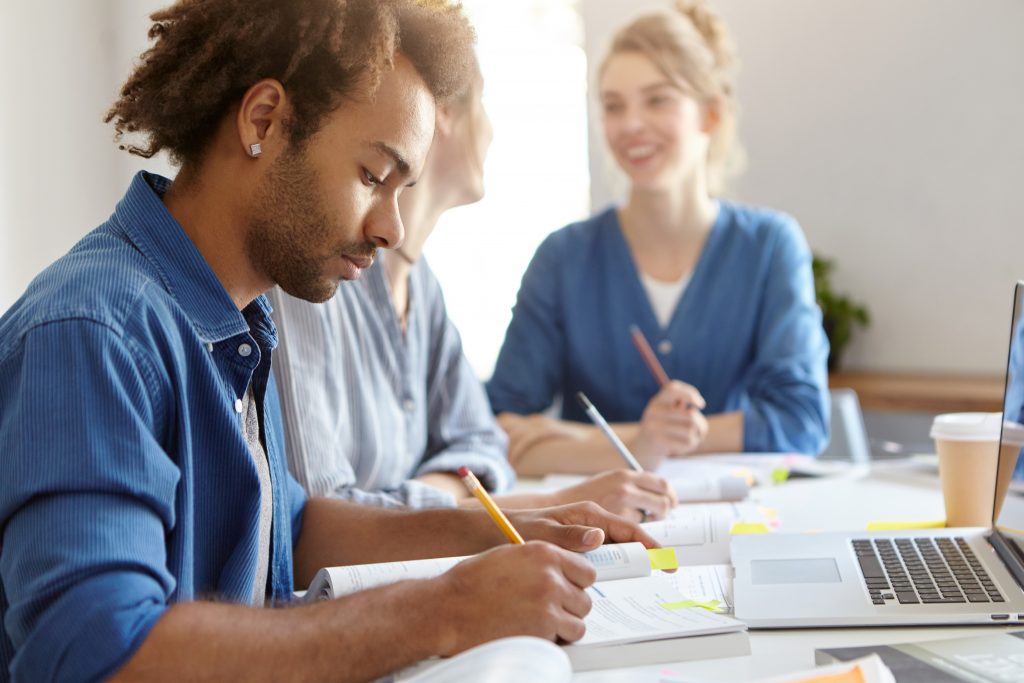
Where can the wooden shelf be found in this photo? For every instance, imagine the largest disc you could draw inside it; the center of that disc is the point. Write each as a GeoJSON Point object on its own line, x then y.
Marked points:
{"type": "Point", "coordinates": [923, 393]}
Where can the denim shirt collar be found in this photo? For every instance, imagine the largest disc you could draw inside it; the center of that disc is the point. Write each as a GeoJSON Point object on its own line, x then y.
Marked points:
{"type": "Point", "coordinates": [151, 228]}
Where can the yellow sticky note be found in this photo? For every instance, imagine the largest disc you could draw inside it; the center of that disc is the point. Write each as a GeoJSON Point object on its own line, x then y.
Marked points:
{"type": "Point", "coordinates": [901, 526]}
{"type": "Point", "coordinates": [663, 558]}
{"type": "Point", "coordinates": [710, 605]}
{"type": "Point", "coordinates": [780, 474]}
{"type": "Point", "coordinates": [740, 528]}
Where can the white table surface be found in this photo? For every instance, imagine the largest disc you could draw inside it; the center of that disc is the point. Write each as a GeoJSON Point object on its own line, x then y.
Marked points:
{"type": "Point", "coordinates": [890, 492]}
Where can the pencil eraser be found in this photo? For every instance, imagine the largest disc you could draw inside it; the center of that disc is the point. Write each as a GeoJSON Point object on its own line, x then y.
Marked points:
{"type": "Point", "coordinates": [463, 471]}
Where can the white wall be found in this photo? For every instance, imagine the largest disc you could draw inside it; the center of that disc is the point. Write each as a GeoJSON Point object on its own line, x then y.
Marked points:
{"type": "Point", "coordinates": [60, 172]}
{"type": "Point", "coordinates": [893, 131]}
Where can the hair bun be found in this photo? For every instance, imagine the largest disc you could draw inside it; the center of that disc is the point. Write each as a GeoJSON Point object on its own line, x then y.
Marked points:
{"type": "Point", "coordinates": [712, 28]}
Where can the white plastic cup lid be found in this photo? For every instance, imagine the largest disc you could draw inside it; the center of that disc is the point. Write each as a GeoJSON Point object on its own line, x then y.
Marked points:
{"type": "Point", "coordinates": [967, 426]}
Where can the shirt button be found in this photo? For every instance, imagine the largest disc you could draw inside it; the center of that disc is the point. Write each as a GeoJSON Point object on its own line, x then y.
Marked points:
{"type": "Point", "coordinates": [665, 346]}
{"type": "Point", "coordinates": [209, 347]}
{"type": "Point", "coordinates": [244, 350]}
{"type": "Point", "coordinates": [409, 405]}
{"type": "Point", "coordinates": [238, 406]}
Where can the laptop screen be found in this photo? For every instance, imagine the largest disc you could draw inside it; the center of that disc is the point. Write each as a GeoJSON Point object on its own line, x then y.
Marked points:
{"type": "Point", "coordinates": [1009, 508]}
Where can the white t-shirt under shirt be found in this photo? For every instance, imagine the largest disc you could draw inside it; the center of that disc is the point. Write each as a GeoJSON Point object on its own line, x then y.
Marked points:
{"type": "Point", "coordinates": [664, 296]}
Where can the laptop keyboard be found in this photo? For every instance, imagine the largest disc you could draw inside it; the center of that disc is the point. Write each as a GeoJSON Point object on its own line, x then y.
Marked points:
{"type": "Point", "coordinates": [923, 570]}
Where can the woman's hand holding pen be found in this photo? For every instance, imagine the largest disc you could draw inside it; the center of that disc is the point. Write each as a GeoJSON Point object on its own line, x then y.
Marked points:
{"type": "Point", "coordinates": [623, 492]}
{"type": "Point", "coordinates": [672, 424]}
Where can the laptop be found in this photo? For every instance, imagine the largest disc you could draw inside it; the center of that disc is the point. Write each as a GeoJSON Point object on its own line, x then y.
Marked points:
{"type": "Point", "coordinates": [931, 576]}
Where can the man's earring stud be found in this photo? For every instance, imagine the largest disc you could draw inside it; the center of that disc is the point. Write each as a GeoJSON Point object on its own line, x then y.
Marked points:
{"type": "Point", "coordinates": [255, 150]}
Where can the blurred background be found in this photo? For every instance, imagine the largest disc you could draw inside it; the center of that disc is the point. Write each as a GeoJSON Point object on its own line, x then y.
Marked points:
{"type": "Point", "coordinates": [891, 130]}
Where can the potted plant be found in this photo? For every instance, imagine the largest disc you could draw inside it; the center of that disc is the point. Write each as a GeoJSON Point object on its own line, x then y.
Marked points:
{"type": "Point", "coordinates": [840, 315]}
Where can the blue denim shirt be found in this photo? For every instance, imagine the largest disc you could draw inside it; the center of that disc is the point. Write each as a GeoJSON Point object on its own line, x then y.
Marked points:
{"type": "Point", "coordinates": [127, 484]}
{"type": "Point", "coordinates": [746, 332]}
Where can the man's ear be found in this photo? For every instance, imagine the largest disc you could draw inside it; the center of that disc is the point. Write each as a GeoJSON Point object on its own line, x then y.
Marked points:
{"type": "Point", "coordinates": [261, 117]}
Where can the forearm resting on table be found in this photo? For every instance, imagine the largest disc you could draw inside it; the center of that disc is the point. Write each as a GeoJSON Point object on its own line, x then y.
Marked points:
{"type": "Point", "coordinates": [338, 533]}
{"type": "Point", "coordinates": [356, 638]}
{"type": "Point", "coordinates": [588, 451]}
{"type": "Point", "coordinates": [448, 482]}
{"type": "Point", "coordinates": [725, 434]}
{"type": "Point", "coordinates": [451, 483]}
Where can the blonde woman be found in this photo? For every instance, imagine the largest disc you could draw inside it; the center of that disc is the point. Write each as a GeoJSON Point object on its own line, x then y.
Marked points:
{"type": "Point", "coordinates": [723, 291]}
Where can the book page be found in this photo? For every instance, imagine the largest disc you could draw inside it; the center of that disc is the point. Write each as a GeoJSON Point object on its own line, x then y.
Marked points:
{"type": "Point", "coordinates": [757, 468]}
{"type": "Point", "coordinates": [639, 609]}
{"type": "Point", "coordinates": [700, 533]}
{"type": "Point", "coordinates": [620, 561]}
{"type": "Point", "coordinates": [333, 582]}
{"type": "Point", "coordinates": [692, 487]}
{"type": "Point", "coordinates": [704, 584]}
{"type": "Point", "coordinates": [612, 561]}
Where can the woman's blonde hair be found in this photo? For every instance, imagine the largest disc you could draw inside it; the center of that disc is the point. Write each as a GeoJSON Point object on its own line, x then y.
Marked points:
{"type": "Point", "coordinates": [693, 48]}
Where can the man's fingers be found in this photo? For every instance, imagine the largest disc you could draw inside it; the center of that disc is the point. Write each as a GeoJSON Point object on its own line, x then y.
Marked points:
{"type": "Point", "coordinates": [580, 573]}
{"type": "Point", "coordinates": [580, 538]}
{"type": "Point", "coordinates": [571, 629]}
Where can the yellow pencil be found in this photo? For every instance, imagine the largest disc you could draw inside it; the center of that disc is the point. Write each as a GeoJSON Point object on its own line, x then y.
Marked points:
{"type": "Point", "coordinates": [477, 489]}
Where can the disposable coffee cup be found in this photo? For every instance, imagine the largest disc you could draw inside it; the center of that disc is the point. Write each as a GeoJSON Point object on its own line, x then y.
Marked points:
{"type": "Point", "coordinates": [968, 448]}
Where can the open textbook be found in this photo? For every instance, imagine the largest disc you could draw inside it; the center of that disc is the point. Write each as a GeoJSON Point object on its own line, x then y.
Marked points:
{"type": "Point", "coordinates": [725, 484]}
{"type": "Point", "coordinates": [762, 469]}
{"type": "Point", "coordinates": [700, 534]}
{"type": "Point", "coordinates": [612, 561]}
{"type": "Point", "coordinates": [709, 585]}
{"type": "Point", "coordinates": [637, 617]}
{"type": "Point", "coordinates": [649, 621]}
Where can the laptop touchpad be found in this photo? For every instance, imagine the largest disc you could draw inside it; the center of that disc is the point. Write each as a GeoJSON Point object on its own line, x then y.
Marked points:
{"type": "Point", "coordinates": [812, 570]}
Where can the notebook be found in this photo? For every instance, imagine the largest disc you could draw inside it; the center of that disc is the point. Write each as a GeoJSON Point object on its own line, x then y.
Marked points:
{"type": "Point", "coordinates": [636, 618]}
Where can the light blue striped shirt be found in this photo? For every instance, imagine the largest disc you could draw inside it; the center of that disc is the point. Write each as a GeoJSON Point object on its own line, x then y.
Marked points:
{"type": "Point", "coordinates": [367, 407]}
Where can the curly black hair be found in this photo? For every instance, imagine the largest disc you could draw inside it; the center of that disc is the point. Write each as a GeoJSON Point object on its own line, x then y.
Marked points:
{"type": "Point", "coordinates": [207, 53]}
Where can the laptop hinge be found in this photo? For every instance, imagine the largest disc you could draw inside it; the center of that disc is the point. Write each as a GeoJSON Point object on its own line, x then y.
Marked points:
{"type": "Point", "coordinates": [1010, 553]}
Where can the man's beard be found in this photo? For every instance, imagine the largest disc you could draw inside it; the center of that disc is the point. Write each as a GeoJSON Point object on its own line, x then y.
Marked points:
{"type": "Point", "coordinates": [289, 231]}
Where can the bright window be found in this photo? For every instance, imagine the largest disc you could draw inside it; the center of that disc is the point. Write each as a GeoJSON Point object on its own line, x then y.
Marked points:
{"type": "Point", "coordinates": [536, 174]}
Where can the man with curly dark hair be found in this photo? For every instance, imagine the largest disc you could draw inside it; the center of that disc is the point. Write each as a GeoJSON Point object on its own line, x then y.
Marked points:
{"type": "Point", "coordinates": [146, 513]}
